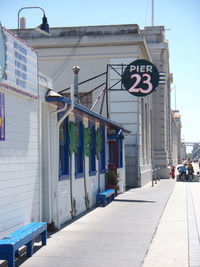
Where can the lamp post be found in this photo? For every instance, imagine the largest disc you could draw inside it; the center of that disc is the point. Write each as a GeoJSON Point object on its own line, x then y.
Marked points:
{"type": "Point", "coordinates": [76, 71]}
{"type": "Point", "coordinates": [44, 27]}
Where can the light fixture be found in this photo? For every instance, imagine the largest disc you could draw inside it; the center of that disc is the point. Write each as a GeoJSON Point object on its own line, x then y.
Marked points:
{"type": "Point", "coordinates": [44, 27]}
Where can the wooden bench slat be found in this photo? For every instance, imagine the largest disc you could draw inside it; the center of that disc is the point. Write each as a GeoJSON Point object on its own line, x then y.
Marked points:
{"type": "Point", "coordinates": [23, 236]}
{"type": "Point", "coordinates": [28, 227]}
{"type": "Point", "coordinates": [21, 233]}
{"type": "Point", "coordinates": [108, 194]}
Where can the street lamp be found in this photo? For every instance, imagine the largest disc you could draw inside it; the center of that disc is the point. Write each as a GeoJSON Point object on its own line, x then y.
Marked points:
{"type": "Point", "coordinates": [44, 27]}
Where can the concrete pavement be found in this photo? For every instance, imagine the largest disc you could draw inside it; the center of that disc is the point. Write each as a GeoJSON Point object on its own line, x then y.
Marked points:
{"type": "Point", "coordinates": [176, 242]}
{"type": "Point", "coordinates": [150, 227]}
{"type": "Point", "coordinates": [118, 235]}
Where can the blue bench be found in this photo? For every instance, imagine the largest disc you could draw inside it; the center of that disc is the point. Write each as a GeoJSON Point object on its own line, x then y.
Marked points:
{"type": "Point", "coordinates": [23, 236]}
{"type": "Point", "coordinates": [106, 195]}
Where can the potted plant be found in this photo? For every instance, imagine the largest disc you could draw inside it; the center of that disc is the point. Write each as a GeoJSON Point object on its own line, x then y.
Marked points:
{"type": "Point", "coordinates": [111, 180]}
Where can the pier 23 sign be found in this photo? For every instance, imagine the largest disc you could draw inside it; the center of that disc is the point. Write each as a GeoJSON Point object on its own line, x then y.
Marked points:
{"type": "Point", "coordinates": [140, 77]}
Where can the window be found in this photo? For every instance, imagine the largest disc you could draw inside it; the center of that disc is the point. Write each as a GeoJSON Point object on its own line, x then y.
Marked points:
{"type": "Point", "coordinates": [119, 153]}
{"type": "Point", "coordinates": [103, 150]}
{"type": "Point", "coordinates": [63, 150]}
{"type": "Point", "coordinates": [79, 168]}
{"type": "Point", "coordinates": [116, 149]}
{"type": "Point", "coordinates": [92, 159]}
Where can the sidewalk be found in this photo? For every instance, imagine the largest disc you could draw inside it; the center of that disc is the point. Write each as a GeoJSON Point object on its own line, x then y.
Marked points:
{"type": "Point", "coordinates": [149, 227]}
{"type": "Point", "coordinates": [118, 235]}
{"type": "Point", "coordinates": [176, 242]}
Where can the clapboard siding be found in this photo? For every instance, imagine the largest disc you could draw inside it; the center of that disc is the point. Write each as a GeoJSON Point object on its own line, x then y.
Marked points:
{"type": "Point", "coordinates": [18, 159]}
{"type": "Point", "coordinates": [20, 182]}
{"type": "Point", "coordinates": [17, 167]}
{"type": "Point", "coordinates": [20, 189]}
{"type": "Point", "coordinates": [25, 212]}
{"type": "Point", "coordinates": [19, 163]}
{"type": "Point", "coordinates": [22, 129]}
{"type": "Point", "coordinates": [10, 174]}
{"type": "Point", "coordinates": [16, 199]}
{"type": "Point", "coordinates": [18, 148]}
{"type": "Point", "coordinates": [14, 209]}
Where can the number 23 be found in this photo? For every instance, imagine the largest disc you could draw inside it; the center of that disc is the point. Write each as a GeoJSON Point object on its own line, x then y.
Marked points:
{"type": "Point", "coordinates": [138, 77]}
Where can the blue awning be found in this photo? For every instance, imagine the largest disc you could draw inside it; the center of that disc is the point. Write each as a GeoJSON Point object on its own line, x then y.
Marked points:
{"type": "Point", "coordinates": [61, 99]}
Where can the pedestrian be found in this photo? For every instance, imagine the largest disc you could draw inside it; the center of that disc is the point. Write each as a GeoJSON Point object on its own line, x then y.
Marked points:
{"type": "Point", "coordinates": [190, 170]}
{"type": "Point", "coordinates": [172, 173]}
{"type": "Point", "coordinates": [182, 172]}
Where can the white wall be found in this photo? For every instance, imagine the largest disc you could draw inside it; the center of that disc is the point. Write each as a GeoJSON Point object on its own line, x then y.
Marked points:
{"type": "Point", "coordinates": [19, 163]}
{"type": "Point", "coordinates": [56, 193]}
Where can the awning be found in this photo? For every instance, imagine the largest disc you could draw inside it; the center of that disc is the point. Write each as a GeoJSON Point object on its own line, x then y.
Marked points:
{"type": "Point", "coordinates": [57, 98]}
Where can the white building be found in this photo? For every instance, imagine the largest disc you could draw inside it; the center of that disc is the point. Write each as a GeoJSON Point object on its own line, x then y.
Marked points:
{"type": "Point", "coordinates": [96, 49]}
{"type": "Point", "coordinates": [62, 185]}
{"type": "Point", "coordinates": [38, 179]}
{"type": "Point", "coordinates": [177, 148]}
{"type": "Point", "coordinates": [106, 50]}
{"type": "Point", "coordinates": [161, 104]}
{"type": "Point", "coordinates": [20, 131]}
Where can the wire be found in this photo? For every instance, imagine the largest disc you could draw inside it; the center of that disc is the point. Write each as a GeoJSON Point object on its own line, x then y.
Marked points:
{"type": "Point", "coordinates": [88, 80]}
{"type": "Point", "coordinates": [92, 90]}
{"type": "Point", "coordinates": [66, 61]}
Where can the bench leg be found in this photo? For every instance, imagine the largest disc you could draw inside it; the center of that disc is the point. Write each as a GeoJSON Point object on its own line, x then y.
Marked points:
{"type": "Point", "coordinates": [30, 248]}
{"type": "Point", "coordinates": [17, 253]}
{"type": "Point", "coordinates": [44, 238]}
{"type": "Point", "coordinates": [104, 201]}
{"type": "Point", "coordinates": [11, 258]}
{"type": "Point", "coordinates": [97, 201]}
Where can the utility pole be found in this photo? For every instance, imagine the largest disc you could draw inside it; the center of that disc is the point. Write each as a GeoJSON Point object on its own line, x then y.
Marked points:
{"type": "Point", "coordinates": [152, 12]}
{"type": "Point", "coordinates": [76, 71]}
{"type": "Point", "coordinates": [175, 96]}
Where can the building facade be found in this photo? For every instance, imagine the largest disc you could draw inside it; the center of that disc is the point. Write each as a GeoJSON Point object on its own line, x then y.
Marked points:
{"type": "Point", "coordinates": [73, 172]}
{"type": "Point", "coordinates": [54, 152]}
{"type": "Point", "coordinates": [161, 104]}
{"type": "Point", "coordinates": [108, 49]}
{"type": "Point", "coordinates": [20, 129]}
{"type": "Point", "coordinates": [178, 151]}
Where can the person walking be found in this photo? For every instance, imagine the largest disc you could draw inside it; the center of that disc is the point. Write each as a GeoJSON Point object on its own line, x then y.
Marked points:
{"type": "Point", "coordinates": [182, 172]}
{"type": "Point", "coordinates": [190, 170]}
{"type": "Point", "coordinates": [172, 173]}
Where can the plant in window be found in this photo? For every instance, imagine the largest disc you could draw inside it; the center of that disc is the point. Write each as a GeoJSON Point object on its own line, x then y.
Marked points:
{"type": "Point", "coordinates": [98, 151]}
{"type": "Point", "coordinates": [72, 128]}
{"type": "Point", "coordinates": [86, 151]}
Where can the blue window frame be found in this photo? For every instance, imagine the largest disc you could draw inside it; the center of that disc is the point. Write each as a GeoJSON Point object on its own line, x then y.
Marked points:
{"type": "Point", "coordinates": [92, 159]}
{"type": "Point", "coordinates": [120, 153]}
{"type": "Point", "coordinates": [64, 150]}
{"type": "Point", "coordinates": [118, 138]}
{"type": "Point", "coordinates": [79, 168]}
{"type": "Point", "coordinates": [103, 150]}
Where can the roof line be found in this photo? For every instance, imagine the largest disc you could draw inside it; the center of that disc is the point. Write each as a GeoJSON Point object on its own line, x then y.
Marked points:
{"type": "Point", "coordinates": [89, 112]}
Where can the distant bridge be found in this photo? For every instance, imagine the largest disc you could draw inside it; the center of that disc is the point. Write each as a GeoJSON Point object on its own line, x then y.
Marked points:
{"type": "Point", "coordinates": [191, 143]}
{"type": "Point", "coordinates": [196, 153]}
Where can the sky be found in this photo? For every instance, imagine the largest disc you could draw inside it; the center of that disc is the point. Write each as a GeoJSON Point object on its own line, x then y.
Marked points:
{"type": "Point", "coordinates": [181, 19]}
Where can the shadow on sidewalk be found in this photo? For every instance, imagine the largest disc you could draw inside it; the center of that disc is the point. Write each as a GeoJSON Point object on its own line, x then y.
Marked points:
{"type": "Point", "coordinates": [22, 255]}
{"type": "Point", "coordinates": [134, 201]}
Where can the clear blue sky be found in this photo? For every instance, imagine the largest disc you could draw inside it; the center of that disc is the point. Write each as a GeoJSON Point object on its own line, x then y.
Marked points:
{"type": "Point", "coordinates": [181, 19]}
